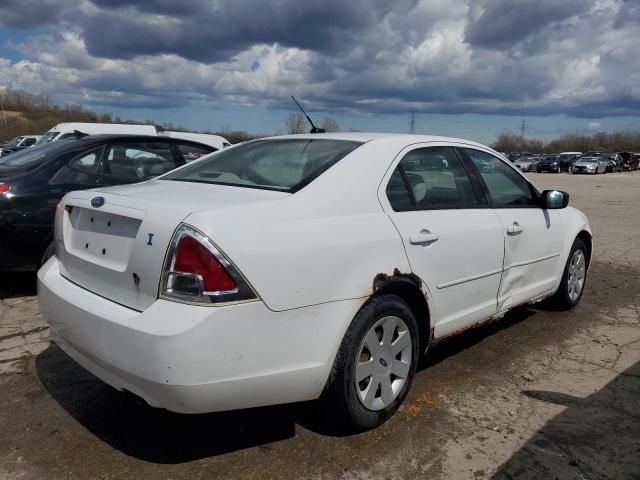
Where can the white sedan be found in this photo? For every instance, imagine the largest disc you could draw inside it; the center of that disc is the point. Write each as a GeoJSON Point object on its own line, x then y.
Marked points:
{"type": "Point", "coordinates": [303, 267]}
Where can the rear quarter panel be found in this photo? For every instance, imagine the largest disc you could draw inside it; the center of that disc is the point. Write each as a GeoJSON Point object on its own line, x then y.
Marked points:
{"type": "Point", "coordinates": [324, 243]}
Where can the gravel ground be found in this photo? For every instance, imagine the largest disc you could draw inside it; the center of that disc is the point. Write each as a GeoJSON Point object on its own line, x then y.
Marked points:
{"type": "Point", "coordinates": [539, 395]}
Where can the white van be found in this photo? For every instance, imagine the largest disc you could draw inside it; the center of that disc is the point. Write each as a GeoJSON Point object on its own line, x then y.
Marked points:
{"type": "Point", "coordinates": [214, 141]}
{"type": "Point", "coordinates": [65, 130]}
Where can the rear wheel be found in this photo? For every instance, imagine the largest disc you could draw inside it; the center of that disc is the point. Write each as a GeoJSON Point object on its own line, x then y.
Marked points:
{"type": "Point", "coordinates": [375, 365]}
{"type": "Point", "coordinates": [574, 277]}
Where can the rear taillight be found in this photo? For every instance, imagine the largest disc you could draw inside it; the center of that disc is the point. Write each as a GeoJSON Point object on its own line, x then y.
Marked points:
{"type": "Point", "coordinates": [196, 271]}
{"type": "Point", "coordinates": [4, 188]}
{"type": "Point", "coordinates": [194, 258]}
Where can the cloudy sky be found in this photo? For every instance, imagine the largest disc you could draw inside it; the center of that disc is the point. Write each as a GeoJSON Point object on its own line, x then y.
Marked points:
{"type": "Point", "coordinates": [467, 67]}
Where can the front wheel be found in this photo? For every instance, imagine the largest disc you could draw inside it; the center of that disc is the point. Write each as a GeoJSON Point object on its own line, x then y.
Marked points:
{"type": "Point", "coordinates": [574, 277]}
{"type": "Point", "coordinates": [375, 365]}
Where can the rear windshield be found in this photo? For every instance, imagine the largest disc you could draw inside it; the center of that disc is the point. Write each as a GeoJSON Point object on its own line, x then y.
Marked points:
{"type": "Point", "coordinates": [285, 165]}
{"type": "Point", "coordinates": [31, 156]}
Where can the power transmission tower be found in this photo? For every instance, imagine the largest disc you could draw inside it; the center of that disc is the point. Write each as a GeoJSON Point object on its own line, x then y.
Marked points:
{"type": "Point", "coordinates": [412, 121]}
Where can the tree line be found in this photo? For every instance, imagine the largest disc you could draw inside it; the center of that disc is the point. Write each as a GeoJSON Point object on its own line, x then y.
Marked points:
{"type": "Point", "coordinates": [23, 113]}
{"type": "Point", "coordinates": [601, 141]}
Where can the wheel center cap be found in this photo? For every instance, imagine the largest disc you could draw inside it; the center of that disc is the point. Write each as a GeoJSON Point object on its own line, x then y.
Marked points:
{"type": "Point", "coordinates": [382, 363]}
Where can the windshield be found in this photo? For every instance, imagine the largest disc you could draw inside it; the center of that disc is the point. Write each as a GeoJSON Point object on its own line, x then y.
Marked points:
{"type": "Point", "coordinates": [30, 156]}
{"type": "Point", "coordinates": [588, 160]}
{"type": "Point", "coordinates": [47, 137]}
{"type": "Point", "coordinates": [550, 158]}
{"type": "Point", "coordinates": [285, 165]}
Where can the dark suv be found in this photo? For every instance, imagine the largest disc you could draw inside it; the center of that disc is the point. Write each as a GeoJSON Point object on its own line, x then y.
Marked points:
{"type": "Point", "coordinates": [630, 161]}
{"type": "Point", "coordinates": [549, 163]}
{"type": "Point", "coordinates": [33, 181]}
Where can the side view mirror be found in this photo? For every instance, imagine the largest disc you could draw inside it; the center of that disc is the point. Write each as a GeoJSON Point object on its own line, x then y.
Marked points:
{"type": "Point", "coordinates": [553, 199]}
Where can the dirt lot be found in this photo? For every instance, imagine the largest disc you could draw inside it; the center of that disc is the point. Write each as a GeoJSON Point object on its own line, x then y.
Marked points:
{"type": "Point", "coordinates": [540, 395]}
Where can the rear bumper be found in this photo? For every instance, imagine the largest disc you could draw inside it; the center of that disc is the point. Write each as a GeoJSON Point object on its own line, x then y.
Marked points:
{"type": "Point", "coordinates": [192, 359]}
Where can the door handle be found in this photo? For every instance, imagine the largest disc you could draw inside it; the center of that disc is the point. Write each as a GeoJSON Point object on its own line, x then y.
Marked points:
{"type": "Point", "coordinates": [514, 229]}
{"type": "Point", "coordinates": [425, 237]}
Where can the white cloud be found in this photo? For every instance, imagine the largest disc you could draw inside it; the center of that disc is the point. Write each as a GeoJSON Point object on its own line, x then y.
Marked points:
{"type": "Point", "coordinates": [581, 62]}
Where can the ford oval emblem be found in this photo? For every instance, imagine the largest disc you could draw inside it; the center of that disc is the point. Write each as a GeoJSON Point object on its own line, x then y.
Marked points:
{"type": "Point", "coordinates": [97, 202]}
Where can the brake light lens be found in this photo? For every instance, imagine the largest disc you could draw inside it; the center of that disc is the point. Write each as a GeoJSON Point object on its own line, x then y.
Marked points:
{"type": "Point", "coordinates": [4, 188]}
{"type": "Point", "coordinates": [196, 271]}
{"type": "Point", "coordinates": [194, 258]}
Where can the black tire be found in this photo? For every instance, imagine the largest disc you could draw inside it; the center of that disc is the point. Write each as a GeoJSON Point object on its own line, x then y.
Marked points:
{"type": "Point", "coordinates": [49, 252]}
{"type": "Point", "coordinates": [561, 299]}
{"type": "Point", "coordinates": [340, 399]}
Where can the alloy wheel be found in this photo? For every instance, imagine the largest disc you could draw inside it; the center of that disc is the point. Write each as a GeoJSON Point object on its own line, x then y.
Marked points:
{"type": "Point", "coordinates": [577, 271]}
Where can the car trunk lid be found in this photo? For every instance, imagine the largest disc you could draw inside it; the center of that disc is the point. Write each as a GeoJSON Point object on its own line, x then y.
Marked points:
{"type": "Point", "coordinates": [113, 241]}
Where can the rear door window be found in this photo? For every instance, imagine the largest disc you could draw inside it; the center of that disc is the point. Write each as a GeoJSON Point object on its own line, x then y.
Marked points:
{"type": "Point", "coordinates": [430, 178]}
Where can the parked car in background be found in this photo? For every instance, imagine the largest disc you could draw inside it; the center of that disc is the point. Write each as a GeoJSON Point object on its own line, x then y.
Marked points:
{"type": "Point", "coordinates": [629, 161]}
{"type": "Point", "coordinates": [526, 164]}
{"type": "Point", "coordinates": [259, 275]}
{"type": "Point", "coordinates": [567, 159]}
{"type": "Point", "coordinates": [549, 163]}
{"type": "Point", "coordinates": [33, 181]}
{"type": "Point", "coordinates": [592, 165]}
{"type": "Point", "coordinates": [614, 164]}
{"type": "Point", "coordinates": [513, 156]}
{"type": "Point", "coordinates": [17, 144]}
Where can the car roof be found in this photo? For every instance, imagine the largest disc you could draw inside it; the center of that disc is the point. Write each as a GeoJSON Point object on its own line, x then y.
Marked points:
{"type": "Point", "coordinates": [101, 137]}
{"type": "Point", "coordinates": [371, 136]}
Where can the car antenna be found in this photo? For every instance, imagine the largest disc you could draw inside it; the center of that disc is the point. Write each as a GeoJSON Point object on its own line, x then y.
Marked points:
{"type": "Point", "coordinates": [314, 129]}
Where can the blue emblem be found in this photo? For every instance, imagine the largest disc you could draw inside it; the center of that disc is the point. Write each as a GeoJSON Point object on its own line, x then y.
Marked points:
{"type": "Point", "coordinates": [150, 240]}
{"type": "Point", "coordinates": [97, 202]}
